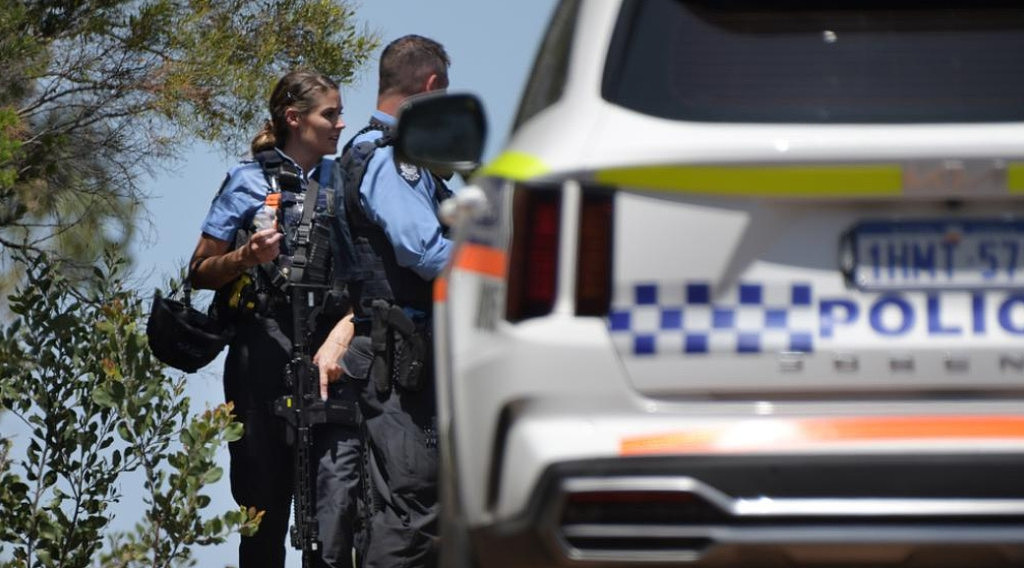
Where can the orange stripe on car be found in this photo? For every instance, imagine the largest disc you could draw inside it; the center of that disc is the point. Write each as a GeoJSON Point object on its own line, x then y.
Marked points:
{"type": "Point", "coordinates": [440, 289]}
{"type": "Point", "coordinates": [773, 434]}
{"type": "Point", "coordinates": [481, 259]}
{"type": "Point", "coordinates": [471, 257]}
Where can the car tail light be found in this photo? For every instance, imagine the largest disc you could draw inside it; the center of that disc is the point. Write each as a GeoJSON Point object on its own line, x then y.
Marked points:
{"type": "Point", "coordinates": [532, 276]}
{"type": "Point", "coordinates": [533, 271]}
{"type": "Point", "coordinates": [594, 259]}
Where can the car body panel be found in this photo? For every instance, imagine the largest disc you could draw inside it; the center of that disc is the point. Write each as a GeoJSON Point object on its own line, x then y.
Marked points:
{"type": "Point", "coordinates": [738, 333]}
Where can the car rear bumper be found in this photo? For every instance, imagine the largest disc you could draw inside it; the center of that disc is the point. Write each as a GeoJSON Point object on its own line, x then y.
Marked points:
{"type": "Point", "coordinates": [907, 510]}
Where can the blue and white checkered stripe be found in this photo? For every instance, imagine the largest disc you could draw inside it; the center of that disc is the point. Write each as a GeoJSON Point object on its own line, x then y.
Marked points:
{"type": "Point", "coordinates": [685, 318]}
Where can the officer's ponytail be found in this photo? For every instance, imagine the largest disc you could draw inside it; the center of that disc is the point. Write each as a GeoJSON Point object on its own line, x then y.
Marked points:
{"type": "Point", "coordinates": [298, 89]}
{"type": "Point", "coordinates": [264, 139]}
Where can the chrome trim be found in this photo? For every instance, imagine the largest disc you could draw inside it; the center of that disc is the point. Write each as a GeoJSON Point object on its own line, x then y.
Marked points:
{"type": "Point", "coordinates": [767, 507]}
{"type": "Point", "coordinates": [770, 507]}
{"type": "Point", "coordinates": [723, 535]}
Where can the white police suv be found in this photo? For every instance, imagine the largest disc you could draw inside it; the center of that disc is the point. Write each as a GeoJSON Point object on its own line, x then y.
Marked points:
{"type": "Point", "coordinates": [743, 289]}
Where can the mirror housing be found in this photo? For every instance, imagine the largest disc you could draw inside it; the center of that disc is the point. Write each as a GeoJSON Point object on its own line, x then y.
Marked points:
{"type": "Point", "coordinates": [441, 132]}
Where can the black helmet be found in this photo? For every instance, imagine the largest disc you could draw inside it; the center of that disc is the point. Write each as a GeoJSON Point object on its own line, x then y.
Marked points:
{"type": "Point", "coordinates": [183, 337]}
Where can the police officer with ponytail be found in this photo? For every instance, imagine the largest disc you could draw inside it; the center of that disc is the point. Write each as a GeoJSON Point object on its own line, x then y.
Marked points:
{"type": "Point", "coordinates": [398, 247]}
{"type": "Point", "coordinates": [242, 253]}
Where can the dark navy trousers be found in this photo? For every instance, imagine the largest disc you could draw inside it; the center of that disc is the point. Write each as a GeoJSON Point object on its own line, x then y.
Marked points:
{"type": "Point", "coordinates": [262, 462]}
{"type": "Point", "coordinates": [400, 440]}
{"type": "Point", "coordinates": [339, 452]}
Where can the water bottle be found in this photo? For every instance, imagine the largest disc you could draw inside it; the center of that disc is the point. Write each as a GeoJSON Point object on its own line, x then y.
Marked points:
{"type": "Point", "coordinates": [266, 215]}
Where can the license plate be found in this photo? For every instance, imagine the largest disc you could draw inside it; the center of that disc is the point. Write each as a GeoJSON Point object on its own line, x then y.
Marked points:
{"type": "Point", "coordinates": [935, 254]}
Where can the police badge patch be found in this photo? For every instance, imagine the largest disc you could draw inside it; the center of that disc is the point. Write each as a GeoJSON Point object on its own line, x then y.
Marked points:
{"type": "Point", "coordinates": [409, 173]}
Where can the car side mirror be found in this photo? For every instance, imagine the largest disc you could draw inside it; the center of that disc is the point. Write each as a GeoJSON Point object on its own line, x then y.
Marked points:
{"type": "Point", "coordinates": [441, 132]}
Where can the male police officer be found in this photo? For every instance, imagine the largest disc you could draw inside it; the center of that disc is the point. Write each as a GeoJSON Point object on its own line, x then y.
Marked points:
{"type": "Point", "coordinates": [399, 248]}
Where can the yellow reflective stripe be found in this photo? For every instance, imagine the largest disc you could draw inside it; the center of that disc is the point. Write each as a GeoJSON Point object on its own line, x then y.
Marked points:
{"type": "Point", "coordinates": [836, 181]}
{"type": "Point", "coordinates": [517, 166]}
{"type": "Point", "coordinates": [1015, 177]}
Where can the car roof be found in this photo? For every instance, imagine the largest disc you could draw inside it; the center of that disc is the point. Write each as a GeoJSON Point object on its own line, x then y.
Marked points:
{"type": "Point", "coordinates": [583, 135]}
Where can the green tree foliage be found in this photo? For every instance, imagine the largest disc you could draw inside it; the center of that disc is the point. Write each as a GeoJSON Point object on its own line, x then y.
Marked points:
{"type": "Point", "coordinates": [102, 415]}
{"type": "Point", "coordinates": [97, 94]}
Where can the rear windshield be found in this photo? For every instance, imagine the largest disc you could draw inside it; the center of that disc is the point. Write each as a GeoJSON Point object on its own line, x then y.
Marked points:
{"type": "Point", "coordinates": [819, 62]}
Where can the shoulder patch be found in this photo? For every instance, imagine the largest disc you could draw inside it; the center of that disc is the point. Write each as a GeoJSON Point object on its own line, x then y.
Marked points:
{"type": "Point", "coordinates": [409, 172]}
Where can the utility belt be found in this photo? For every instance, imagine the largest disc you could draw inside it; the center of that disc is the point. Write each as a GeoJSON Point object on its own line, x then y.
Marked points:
{"type": "Point", "coordinates": [402, 345]}
{"type": "Point", "coordinates": [243, 298]}
{"type": "Point", "coordinates": [248, 296]}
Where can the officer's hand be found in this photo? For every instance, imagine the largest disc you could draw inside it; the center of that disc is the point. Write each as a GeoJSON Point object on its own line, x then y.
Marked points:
{"type": "Point", "coordinates": [327, 360]}
{"type": "Point", "coordinates": [328, 356]}
{"type": "Point", "coordinates": [263, 246]}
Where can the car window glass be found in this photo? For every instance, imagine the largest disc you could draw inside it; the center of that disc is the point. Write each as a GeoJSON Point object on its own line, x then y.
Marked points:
{"type": "Point", "coordinates": [821, 61]}
{"type": "Point", "coordinates": [547, 80]}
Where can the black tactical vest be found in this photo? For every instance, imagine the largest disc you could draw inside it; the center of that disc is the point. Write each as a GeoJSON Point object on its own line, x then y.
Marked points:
{"type": "Point", "coordinates": [306, 257]}
{"type": "Point", "coordinates": [374, 272]}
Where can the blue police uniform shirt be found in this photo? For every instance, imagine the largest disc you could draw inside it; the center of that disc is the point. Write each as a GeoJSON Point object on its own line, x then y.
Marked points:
{"type": "Point", "coordinates": [400, 198]}
{"type": "Point", "coordinates": [244, 191]}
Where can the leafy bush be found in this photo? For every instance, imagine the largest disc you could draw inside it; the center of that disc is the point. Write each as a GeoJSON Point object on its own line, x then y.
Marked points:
{"type": "Point", "coordinates": [76, 369]}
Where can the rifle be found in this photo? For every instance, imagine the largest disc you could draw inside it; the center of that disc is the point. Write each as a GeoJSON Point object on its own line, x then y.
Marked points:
{"type": "Point", "coordinates": [303, 409]}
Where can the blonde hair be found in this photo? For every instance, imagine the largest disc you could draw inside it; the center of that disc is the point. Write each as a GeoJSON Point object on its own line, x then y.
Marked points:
{"type": "Point", "coordinates": [298, 90]}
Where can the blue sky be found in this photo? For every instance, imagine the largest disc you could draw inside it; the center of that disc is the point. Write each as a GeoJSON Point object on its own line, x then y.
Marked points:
{"type": "Point", "coordinates": [492, 45]}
